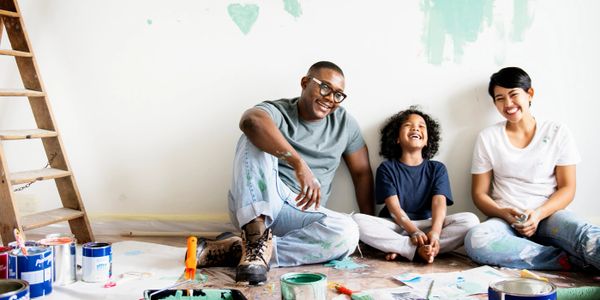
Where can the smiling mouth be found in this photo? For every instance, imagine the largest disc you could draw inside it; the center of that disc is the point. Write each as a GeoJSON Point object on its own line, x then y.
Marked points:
{"type": "Point", "coordinates": [511, 110]}
{"type": "Point", "coordinates": [415, 136]}
{"type": "Point", "coordinates": [323, 104]}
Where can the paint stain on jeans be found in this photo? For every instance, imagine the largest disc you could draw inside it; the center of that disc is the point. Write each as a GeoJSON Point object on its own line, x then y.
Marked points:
{"type": "Point", "coordinates": [262, 185]}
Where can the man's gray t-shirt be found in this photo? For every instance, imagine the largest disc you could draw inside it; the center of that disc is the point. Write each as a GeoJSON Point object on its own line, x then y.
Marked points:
{"type": "Point", "coordinates": [320, 143]}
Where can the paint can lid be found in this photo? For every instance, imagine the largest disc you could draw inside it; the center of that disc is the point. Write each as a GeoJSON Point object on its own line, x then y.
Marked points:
{"type": "Point", "coordinates": [11, 287]}
{"type": "Point", "coordinates": [303, 278]}
{"type": "Point", "coordinates": [56, 241]}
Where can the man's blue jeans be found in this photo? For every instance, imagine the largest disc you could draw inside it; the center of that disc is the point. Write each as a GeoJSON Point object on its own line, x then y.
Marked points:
{"type": "Point", "coordinates": [560, 240]}
{"type": "Point", "coordinates": [300, 237]}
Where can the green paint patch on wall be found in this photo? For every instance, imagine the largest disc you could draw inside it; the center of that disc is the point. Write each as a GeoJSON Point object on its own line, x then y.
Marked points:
{"type": "Point", "coordinates": [522, 19]}
{"type": "Point", "coordinates": [243, 16]}
{"type": "Point", "coordinates": [293, 7]}
{"type": "Point", "coordinates": [459, 20]}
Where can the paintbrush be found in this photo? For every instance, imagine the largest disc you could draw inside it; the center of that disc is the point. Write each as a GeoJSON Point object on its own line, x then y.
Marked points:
{"type": "Point", "coordinates": [20, 239]}
{"type": "Point", "coordinates": [353, 295]}
{"type": "Point", "coordinates": [191, 260]}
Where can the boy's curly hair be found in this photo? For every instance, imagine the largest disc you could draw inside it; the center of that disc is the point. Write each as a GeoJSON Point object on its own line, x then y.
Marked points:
{"type": "Point", "coordinates": [390, 149]}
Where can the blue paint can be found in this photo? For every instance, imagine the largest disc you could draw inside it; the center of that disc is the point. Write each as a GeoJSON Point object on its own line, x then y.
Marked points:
{"type": "Point", "coordinates": [35, 268]}
{"type": "Point", "coordinates": [14, 289]}
{"type": "Point", "coordinates": [96, 262]}
{"type": "Point", "coordinates": [521, 289]}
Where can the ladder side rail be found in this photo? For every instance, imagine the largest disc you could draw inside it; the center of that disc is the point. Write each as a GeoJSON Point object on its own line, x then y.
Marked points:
{"type": "Point", "coordinates": [8, 210]}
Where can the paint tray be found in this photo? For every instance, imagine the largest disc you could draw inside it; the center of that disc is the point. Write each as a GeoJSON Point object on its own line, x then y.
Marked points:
{"type": "Point", "coordinates": [194, 294]}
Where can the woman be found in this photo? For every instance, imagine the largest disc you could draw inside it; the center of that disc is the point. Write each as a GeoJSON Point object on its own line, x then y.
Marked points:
{"type": "Point", "coordinates": [532, 164]}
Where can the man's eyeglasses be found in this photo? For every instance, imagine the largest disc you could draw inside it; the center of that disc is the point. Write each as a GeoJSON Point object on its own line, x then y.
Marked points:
{"type": "Point", "coordinates": [325, 90]}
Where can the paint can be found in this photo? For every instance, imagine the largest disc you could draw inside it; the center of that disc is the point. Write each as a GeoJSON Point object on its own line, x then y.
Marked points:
{"type": "Point", "coordinates": [4, 262]}
{"type": "Point", "coordinates": [14, 289]}
{"type": "Point", "coordinates": [305, 286]}
{"type": "Point", "coordinates": [63, 246]}
{"type": "Point", "coordinates": [96, 262]}
{"type": "Point", "coordinates": [35, 268]}
{"type": "Point", "coordinates": [14, 245]}
{"type": "Point", "coordinates": [521, 289]}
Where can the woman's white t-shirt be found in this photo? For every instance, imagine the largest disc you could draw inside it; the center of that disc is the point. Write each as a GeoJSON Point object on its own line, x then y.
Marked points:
{"type": "Point", "coordinates": [524, 178]}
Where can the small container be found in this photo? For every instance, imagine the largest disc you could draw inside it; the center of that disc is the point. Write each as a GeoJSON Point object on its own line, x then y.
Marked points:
{"type": "Point", "coordinates": [96, 262]}
{"type": "Point", "coordinates": [65, 265]}
{"type": "Point", "coordinates": [14, 289]}
{"type": "Point", "coordinates": [521, 289]}
{"type": "Point", "coordinates": [305, 286]}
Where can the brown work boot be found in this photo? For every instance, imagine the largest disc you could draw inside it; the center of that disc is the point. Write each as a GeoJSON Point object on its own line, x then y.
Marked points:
{"type": "Point", "coordinates": [257, 247]}
{"type": "Point", "coordinates": [224, 251]}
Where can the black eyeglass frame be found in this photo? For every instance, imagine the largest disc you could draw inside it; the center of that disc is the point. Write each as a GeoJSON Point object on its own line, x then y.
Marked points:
{"type": "Point", "coordinates": [324, 88]}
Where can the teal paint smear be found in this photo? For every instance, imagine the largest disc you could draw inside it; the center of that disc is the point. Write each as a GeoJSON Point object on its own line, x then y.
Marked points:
{"type": "Point", "coordinates": [344, 264]}
{"type": "Point", "coordinates": [243, 16]}
{"type": "Point", "coordinates": [522, 19]}
{"type": "Point", "coordinates": [149, 21]}
{"type": "Point", "coordinates": [312, 257]}
{"type": "Point", "coordinates": [262, 185]}
{"type": "Point", "coordinates": [460, 20]}
{"type": "Point", "coordinates": [292, 7]}
{"type": "Point", "coordinates": [326, 245]}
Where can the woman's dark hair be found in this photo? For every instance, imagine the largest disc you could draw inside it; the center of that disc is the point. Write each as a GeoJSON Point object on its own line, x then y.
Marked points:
{"type": "Point", "coordinates": [510, 78]}
{"type": "Point", "coordinates": [389, 146]}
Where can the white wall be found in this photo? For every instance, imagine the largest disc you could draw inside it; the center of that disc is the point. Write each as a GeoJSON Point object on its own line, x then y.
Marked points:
{"type": "Point", "coordinates": [147, 94]}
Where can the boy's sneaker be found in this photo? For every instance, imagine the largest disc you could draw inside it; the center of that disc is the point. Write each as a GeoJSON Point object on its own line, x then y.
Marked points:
{"type": "Point", "coordinates": [257, 248]}
{"type": "Point", "coordinates": [224, 251]}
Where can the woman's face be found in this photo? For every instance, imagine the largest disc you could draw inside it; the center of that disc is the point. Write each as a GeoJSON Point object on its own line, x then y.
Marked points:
{"type": "Point", "coordinates": [512, 103]}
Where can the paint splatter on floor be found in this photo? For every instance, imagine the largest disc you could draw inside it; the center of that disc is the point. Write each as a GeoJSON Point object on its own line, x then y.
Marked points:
{"type": "Point", "coordinates": [344, 264]}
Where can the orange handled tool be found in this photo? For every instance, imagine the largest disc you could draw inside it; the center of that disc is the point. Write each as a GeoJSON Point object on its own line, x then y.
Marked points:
{"type": "Point", "coordinates": [190, 259]}
{"type": "Point", "coordinates": [20, 239]}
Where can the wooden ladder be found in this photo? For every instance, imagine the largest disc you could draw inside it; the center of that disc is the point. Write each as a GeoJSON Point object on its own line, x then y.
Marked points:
{"type": "Point", "coordinates": [59, 169]}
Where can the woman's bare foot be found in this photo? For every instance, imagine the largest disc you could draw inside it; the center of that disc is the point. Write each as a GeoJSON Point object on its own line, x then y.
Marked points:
{"type": "Point", "coordinates": [426, 253]}
{"type": "Point", "coordinates": [391, 256]}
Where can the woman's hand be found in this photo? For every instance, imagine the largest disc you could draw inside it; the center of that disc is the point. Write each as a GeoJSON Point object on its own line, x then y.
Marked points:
{"type": "Point", "coordinates": [528, 227]}
{"type": "Point", "coordinates": [419, 238]}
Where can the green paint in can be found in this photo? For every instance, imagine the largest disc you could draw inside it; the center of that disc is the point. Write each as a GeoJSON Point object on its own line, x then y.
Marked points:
{"type": "Point", "coordinates": [305, 286]}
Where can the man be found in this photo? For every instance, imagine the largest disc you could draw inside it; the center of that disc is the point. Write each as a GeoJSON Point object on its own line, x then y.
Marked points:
{"type": "Point", "coordinates": [284, 165]}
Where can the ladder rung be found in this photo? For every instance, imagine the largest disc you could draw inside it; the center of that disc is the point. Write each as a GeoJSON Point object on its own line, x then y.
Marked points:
{"type": "Point", "coordinates": [45, 218]}
{"type": "Point", "coordinates": [35, 175]}
{"type": "Point", "coordinates": [15, 53]}
{"type": "Point", "coordinates": [9, 13]}
{"type": "Point", "coordinates": [26, 134]}
{"type": "Point", "coordinates": [25, 93]}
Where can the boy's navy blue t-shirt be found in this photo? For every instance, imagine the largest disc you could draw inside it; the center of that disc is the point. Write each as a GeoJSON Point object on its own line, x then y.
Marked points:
{"type": "Point", "coordinates": [414, 185]}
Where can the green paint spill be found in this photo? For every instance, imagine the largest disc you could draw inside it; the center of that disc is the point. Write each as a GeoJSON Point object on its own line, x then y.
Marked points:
{"type": "Point", "coordinates": [522, 19]}
{"type": "Point", "coordinates": [344, 264]}
{"type": "Point", "coordinates": [149, 21]}
{"type": "Point", "coordinates": [243, 16]}
{"type": "Point", "coordinates": [461, 20]}
{"type": "Point", "coordinates": [293, 7]}
{"type": "Point", "coordinates": [203, 294]}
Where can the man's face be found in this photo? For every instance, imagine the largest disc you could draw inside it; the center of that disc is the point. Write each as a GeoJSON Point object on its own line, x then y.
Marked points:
{"type": "Point", "coordinates": [313, 105]}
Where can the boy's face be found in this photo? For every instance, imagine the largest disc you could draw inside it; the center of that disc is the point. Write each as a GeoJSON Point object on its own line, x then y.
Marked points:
{"type": "Point", "coordinates": [413, 133]}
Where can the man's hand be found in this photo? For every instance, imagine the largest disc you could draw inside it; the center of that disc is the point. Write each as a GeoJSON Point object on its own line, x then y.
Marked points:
{"type": "Point", "coordinates": [310, 188]}
{"type": "Point", "coordinates": [529, 226]}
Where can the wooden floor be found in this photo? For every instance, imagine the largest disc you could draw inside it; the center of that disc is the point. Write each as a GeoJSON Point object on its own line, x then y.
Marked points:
{"type": "Point", "coordinates": [378, 274]}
